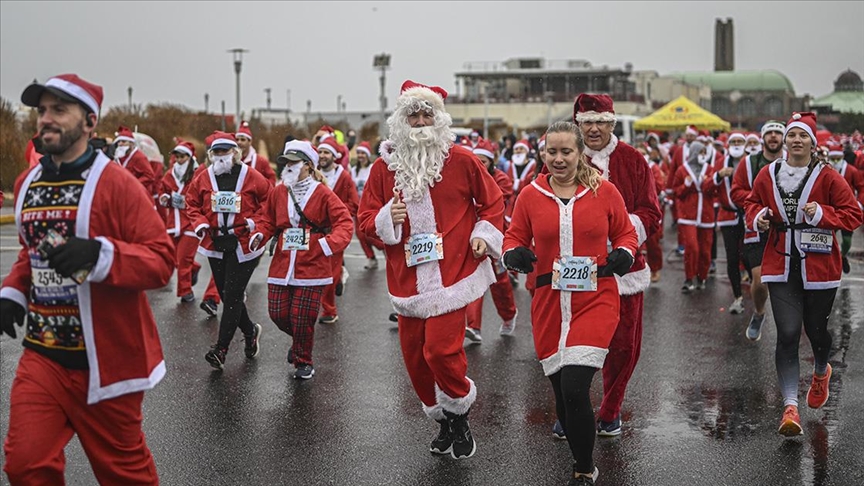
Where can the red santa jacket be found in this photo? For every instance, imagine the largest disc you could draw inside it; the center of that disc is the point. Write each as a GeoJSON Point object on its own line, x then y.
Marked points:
{"type": "Point", "coordinates": [465, 204]}
{"type": "Point", "coordinates": [837, 209]}
{"type": "Point", "coordinates": [742, 184]}
{"type": "Point", "coordinates": [587, 319]}
{"type": "Point", "coordinates": [728, 213]}
{"type": "Point", "coordinates": [253, 189]}
{"type": "Point", "coordinates": [506, 185]}
{"type": "Point", "coordinates": [136, 163]}
{"type": "Point", "coordinates": [626, 169]}
{"type": "Point", "coordinates": [696, 198]}
{"type": "Point", "coordinates": [854, 178]}
{"type": "Point", "coordinates": [122, 343]}
{"type": "Point", "coordinates": [176, 218]}
{"type": "Point", "coordinates": [323, 208]}
{"type": "Point", "coordinates": [261, 164]}
{"type": "Point", "coordinates": [518, 180]}
{"type": "Point", "coordinates": [341, 183]}
{"type": "Point", "coordinates": [679, 154]}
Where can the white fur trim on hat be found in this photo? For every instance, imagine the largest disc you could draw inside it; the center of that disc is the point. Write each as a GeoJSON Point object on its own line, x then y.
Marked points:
{"type": "Point", "coordinates": [424, 94]}
{"type": "Point", "coordinates": [327, 146]}
{"type": "Point", "coordinates": [124, 139]}
{"type": "Point", "coordinates": [802, 126]}
{"type": "Point", "coordinates": [835, 153]}
{"type": "Point", "coordinates": [223, 141]}
{"type": "Point", "coordinates": [606, 116]}
{"type": "Point", "coordinates": [479, 151]}
{"type": "Point", "coordinates": [184, 149]}
{"type": "Point", "coordinates": [74, 90]}
{"type": "Point", "coordinates": [752, 136]}
{"type": "Point", "coordinates": [736, 135]}
{"type": "Point", "coordinates": [541, 144]}
{"type": "Point", "coordinates": [524, 145]}
{"type": "Point", "coordinates": [691, 131]}
{"type": "Point", "coordinates": [365, 151]}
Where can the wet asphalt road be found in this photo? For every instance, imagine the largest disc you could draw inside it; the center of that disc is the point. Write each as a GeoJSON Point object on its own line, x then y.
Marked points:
{"type": "Point", "coordinates": [702, 408]}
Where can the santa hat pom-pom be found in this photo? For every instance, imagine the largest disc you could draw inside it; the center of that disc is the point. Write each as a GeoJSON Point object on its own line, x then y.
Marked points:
{"type": "Point", "coordinates": [796, 116]}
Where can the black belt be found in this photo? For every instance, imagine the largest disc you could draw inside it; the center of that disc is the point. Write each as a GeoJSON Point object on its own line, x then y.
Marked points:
{"type": "Point", "coordinates": [546, 278]}
{"type": "Point", "coordinates": [214, 232]}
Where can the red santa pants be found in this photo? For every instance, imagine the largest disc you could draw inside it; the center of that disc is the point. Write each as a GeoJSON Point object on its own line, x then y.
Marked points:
{"type": "Point", "coordinates": [328, 298]}
{"type": "Point", "coordinates": [697, 250]}
{"type": "Point", "coordinates": [48, 404]}
{"type": "Point", "coordinates": [367, 243]}
{"type": "Point", "coordinates": [294, 310]}
{"type": "Point", "coordinates": [502, 296]}
{"type": "Point", "coordinates": [622, 358]}
{"type": "Point", "coordinates": [654, 250]}
{"type": "Point", "coordinates": [212, 292]}
{"type": "Point", "coordinates": [433, 354]}
{"type": "Point", "coordinates": [185, 249]}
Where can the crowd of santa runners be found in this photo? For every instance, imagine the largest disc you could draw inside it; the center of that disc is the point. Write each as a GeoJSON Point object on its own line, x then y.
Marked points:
{"type": "Point", "coordinates": [577, 211]}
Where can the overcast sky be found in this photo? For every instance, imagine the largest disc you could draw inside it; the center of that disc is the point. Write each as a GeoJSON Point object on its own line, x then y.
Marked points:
{"type": "Point", "coordinates": [175, 51]}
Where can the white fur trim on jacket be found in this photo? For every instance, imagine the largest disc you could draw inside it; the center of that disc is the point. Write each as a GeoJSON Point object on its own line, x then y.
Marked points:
{"type": "Point", "coordinates": [494, 239]}
{"type": "Point", "coordinates": [14, 295]}
{"type": "Point", "coordinates": [446, 299]}
{"type": "Point", "coordinates": [633, 283]}
{"type": "Point", "coordinates": [574, 355]}
{"type": "Point", "coordinates": [641, 235]}
{"type": "Point", "coordinates": [389, 234]}
{"type": "Point", "coordinates": [460, 405]}
{"type": "Point", "coordinates": [600, 158]}
{"type": "Point", "coordinates": [103, 263]}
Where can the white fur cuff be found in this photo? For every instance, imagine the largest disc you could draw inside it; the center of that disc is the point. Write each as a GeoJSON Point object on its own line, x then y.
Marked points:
{"type": "Point", "coordinates": [494, 239]}
{"type": "Point", "coordinates": [103, 262]}
{"type": "Point", "coordinates": [434, 412]}
{"type": "Point", "coordinates": [634, 282]}
{"type": "Point", "coordinates": [325, 246]}
{"type": "Point", "coordinates": [458, 406]}
{"type": "Point", "coordinates": [641, 234]}
{"type": "Point", "coordinates": [389, 234]}
{"type": "Point", "coordinates": [14, 295]}
{"type": "Point", "coordinates": [817, 216]}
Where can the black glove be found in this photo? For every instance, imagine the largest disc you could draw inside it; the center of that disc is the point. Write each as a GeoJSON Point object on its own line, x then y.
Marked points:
{"type": "Point", "coordinates": [76, 254]}
{"type": "Point", "coordinates": [520, 259]}
{"type": "Point", "coordinates": [618, 262]}
{"type": "Point", "coordinates": [11, 313]}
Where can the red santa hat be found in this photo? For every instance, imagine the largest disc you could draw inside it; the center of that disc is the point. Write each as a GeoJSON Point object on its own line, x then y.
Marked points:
{"type": "Point", "coordinates": [434, 95]}
{"type": "Point", "coordinates": [484, 147]}
{"type": "Point", "coordinates": [365, 148]}
{"type": "Point", "coordinates": [753, 136]}
{"type": "Point", "coordinates": [703, 136]}
{"type": "Point", "coordinates": [221, 140]}
{"type": "Point", "coordinates": [736, 136]}
{"type": "Point", "coordinates": [835, 150]}
{"type": "Point", "coordinates": [329, 144]}
{"type": "Point", "coordinates": [805, 121]}
{"type": "Point", "coordinates": [654, 135]}
{"type": "Point", "coordinates": [691, 130]}
{"type": "Point", "coordinates": [185, 148]}
{"type": "Point", "coordinates": [68, 87]}
{"type": "Point", "coordinates": [328, 132]}
{"type": "Point", "coordinates": [244, 130]}
{"type": "Point", "coordinates": [593, 107]}
{"type": "Point", "coordinates": [465, 141]}
{"type": "Point", "coordinates": [542, 142]}
{"type": "Point", "coordinates": [124, 134]}
{"type": "Point", "coordinates": [524, 144]}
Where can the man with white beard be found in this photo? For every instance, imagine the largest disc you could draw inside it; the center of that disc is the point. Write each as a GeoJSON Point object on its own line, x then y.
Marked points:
{"type": "Point", "coordinates": [439, 214]}
{"type": "Point", "coordinates": [520, 164]}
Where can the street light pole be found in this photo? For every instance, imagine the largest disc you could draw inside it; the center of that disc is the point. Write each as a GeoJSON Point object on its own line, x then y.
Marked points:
{"type": "Point", "coordinates": [238, 66]}
{"type": "Point", "coordinates": [129, 91]}
{"type": "Point", "coordinates": [382, 62]}
{"type": "Point", "coordinates": [267, 90]}
{"type": "Point", "coordinates": [486, 110]}
{"type": "Point", "coordinates": [206, 102]}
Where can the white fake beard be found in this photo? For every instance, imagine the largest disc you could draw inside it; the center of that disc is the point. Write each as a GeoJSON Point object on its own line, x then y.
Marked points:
{"type": "Point", "coordinates": [752, 149]}
{"type": "Point", "coordinates": [790, 177]}
{"type": "Point", "coordinates": [736, 151]}
{"type": "Point", "coordinates": [120, 152]}
{"type": "Point", "coordinates": [180, 169]}
{"type": "Point", "coordinates": [290, 174]}
{"type": "Point", "coordinates": [222, 164]}
{"type": "Point", "coordinates": [519, 159]}
{"type": "Point", "coordinates": [419, 158]}
{"type": "Point", "coordinates": [703, 159]}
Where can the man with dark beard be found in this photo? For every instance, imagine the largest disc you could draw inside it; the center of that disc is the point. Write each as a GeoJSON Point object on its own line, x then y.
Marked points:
{"type": "Point", "coordinates": [440, 214]}
{"type": "Point", "coordinates": [91, 246]}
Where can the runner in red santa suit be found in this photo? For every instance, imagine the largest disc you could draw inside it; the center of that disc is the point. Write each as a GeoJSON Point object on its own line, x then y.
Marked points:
{"type": "Point", "coordinates": [127, 154]}
{"type": "Point", "coordinates": [312, 224]}
{"type": "Point", "coordinates": [575, 308]}
{"type": "Point", "coordinates": [695, 189]}
{"type": "Point", "coordinates": [251, 157]}
{"type": "Point", "coordinates": [678, 154]}
{"type": "Point", "coordinates": [653, 245]}
{"type": "Point", "coordinates": [92, 245]}
{"type": "Point", "coordinates": [360, 173]}
{"type": "Point", "coordinates": [520, 164]}
{"type": "Point", "coordinates": [754, 241]}
{"type": "Point", "coordinates": [855, 179]}
{"type": "Point", "coordinates": [801, 202]}
{"type": "Point", "coordinates": [626, 169]}
{"type": "Point", "coordinates": [225, 205]}
{"type": "Point", "coordinates": [439, 213]}
{"type": "Point", "coordinates": [502, 289]}
{"type": "Point", "coordinates": [339, 180]}
{"type": "Point", "coordinates": [211, 300]}
{"type": "Point", "coordinates": [172, 196]}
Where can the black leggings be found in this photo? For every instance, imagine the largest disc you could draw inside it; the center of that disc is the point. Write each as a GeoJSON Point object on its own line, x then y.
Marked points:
{"type": "Point", "coordinates": [573, 406]}
{"type": "Point", "coordinates": [793, 305]}
{"type": "Point", "coordinates": [733, 239]}
{"type": "Point", "coordinates": [231, 278]}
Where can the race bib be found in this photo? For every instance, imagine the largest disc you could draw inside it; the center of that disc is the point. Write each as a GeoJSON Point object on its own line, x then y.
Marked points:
{"type": "Point", "coordinates": [225, 202]}
{"type": "Point", "coordinates": [575, 274]}
{"type": "Point", "coordinates": [424, 248]}
{"type": "Point", "coordinates": [817, 240]}
{"type": "Point", "coordinates": [49, 286]}
{"type": "Point", "coordinates": [178, 200]}
{"type": "Point", "coordinates": [295, 239]}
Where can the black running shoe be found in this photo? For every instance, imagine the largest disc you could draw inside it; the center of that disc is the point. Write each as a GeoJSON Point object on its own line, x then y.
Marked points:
{"type": "Point", "coordinates": [251, 348]}
{"type": "Point", "coordinates": [442, 444]}
{"type": "Point", "coordinates": [209, 306]}
{"type": "Point", "coordinates": [216, 357]}
{"type": "Point", "coordinates": [304, 372]}
{"type": "Point", "coordinates": [463, 442]}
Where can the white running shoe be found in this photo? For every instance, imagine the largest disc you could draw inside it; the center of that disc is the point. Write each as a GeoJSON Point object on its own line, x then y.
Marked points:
{"type": "Point", "coordinates": [344, 275]}
{"type": "Point", "coordinates": [371, 264]}
{"type": "Point", "coordinates": [737, 307]}
{"type": "Point", "coordinates": [473, 335]}
{"type": "Point", "coordinates": [509, 326]}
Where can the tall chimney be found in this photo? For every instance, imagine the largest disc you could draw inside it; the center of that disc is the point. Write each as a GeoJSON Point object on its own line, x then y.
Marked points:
{"type": "Point", "coordinates": [724, 45]}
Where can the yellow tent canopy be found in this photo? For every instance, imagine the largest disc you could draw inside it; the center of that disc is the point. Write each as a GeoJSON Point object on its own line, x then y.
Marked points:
{"type": "Point", "coordinates": [678, 114]}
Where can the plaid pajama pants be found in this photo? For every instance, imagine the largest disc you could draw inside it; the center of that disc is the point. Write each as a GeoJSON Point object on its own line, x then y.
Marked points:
{"type": "Point", "coordinates": [294, 310]}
